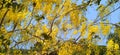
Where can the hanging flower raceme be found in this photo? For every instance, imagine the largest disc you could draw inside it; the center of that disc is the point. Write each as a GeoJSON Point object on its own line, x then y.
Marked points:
{"type": "Point", "coordinates": [105, 28]}
{"type": "Point", "coordinates": [110, 45]}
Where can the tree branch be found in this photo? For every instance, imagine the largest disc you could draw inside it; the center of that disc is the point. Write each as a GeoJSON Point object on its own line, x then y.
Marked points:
{"type": "Point", "coordinates": [80, 34]}
{"type": "Point", "coordinates": [116, 25]}
{"type": "Point", "coordinates": [17, 43]}
{"type": "Point", "coordinates": [97, 21]}
{"type": "Point", "coordinates": [51, 26]}
{"type": "Point", "coordinates": [103, 10]}
{"type": "Point", "coordinates": [15, 25]}
{"type": "Point", "coordinates": [29, 22]}
{"type": "Point", "coordinates": [2, 4]}
{"type": "Point", "coordinates": [3, 17]}
{"type": "Point", "coordinates": [30, 19]}
{"type": "Point", "coordinates": [1, 7]}
{"type": "Point", "coordinates": [107, 14]}
{"type": "Point", "coordinates": [57, 17]}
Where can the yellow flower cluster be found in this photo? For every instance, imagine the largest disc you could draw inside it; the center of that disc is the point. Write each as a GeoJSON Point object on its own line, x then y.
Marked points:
{"type": "Point", "coordinates": [68, 49]}
{"type": "Point", "coordinates": [116, 46]}
{"type": "Point", "coordinates": [75, 31]}
{"type": "Point", "coordinates": [15, 16]}
{"type": "Point", "coordinates": [69, 26]}
{"type": "Point", "coordinates": [38, 32]}
{"type": "Point", "coordinates": [67, 5]}
{"type": "Point", "coordinates": [45, 29]}
{"type": "Point", "coordinates": [74, 16]}
{"type": "Point", "coordinates": [88, 52]}
{"type": "Point", "coordinates": [117, 30]}
{"type": "Point", "coordinates": [83, 29]}
{"type": "Point", "coordinates": [94, 29]}
{"type": "Point", "coordinates": [2, 12]}
{"type": "Point", "coordinates": [112, 46]}
{"type": "Point", "coordinates": [47, 44]}
{"type": "Point", "coordinates": [38, 4]}
{"type": "Point", "coordinates": [50, 18]}
{"type": "Point", "coordinates": [89, 36]}
{"type": "Point", "coordinates": [105, 28]}
{"type": "Point", "coordinates": [47, 8]}
{"type": "Point", "coordinates": [54, 32]}
{"type": "Point", "coordinates": [101, 10]}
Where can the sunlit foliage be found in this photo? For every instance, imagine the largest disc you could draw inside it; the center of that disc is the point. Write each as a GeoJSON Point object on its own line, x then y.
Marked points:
{"type": "Point", "coordinates": [56, 27]}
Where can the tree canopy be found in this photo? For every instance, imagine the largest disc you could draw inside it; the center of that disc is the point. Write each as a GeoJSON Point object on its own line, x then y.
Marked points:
{"type": "Point", "coordinates": [57, 27]}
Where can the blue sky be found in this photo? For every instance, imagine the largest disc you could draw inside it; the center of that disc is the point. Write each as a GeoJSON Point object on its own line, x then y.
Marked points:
{"type": "Point", "coordinates": [91, 15]}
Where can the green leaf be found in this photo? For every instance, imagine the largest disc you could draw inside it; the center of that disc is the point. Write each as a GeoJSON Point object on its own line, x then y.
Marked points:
{"type": "Point", "coordinates": [46, 37]}
{"type": "Point", "coordinates": [38, 18]}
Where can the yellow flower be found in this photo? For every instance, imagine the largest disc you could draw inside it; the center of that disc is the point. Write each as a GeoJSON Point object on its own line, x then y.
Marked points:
{"type": "Point", "coordinates": [67, 5]}
{"type": "Point", "coordinates": [116, 46]}
{"type": "Point", "coordinates": [105, 28]}
{"type": "Point", "coordinates": [38, 32]}
{"type": "Point", "coordinates": [74, 17]}
{"type": "Point", "coordinates": [47, 8]}
{"type": "Point", "coordinates": [94, 29]}
{"type": "Point", "coordinates": [89, 36]}
{"type": "Point", "coordinates": [75, 32]}
{"type": "Point", "coordinates": [45, 29]}
{"type": "Point", "coordinates": [82, 29]}
{"type": "Point", "coordinates": [54, 32]}
{"type": "Point", "coordinates": [69, 26]}
{"type": "Point", "coordinates": [38, 4]}
{"type": "Point", "coordinates": [50, 18]}
{"type": "Point", "coordinates": [110, 44]}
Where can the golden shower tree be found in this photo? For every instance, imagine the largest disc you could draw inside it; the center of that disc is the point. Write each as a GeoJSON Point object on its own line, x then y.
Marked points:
{"type": "Point", "coordinates": [42, 26]}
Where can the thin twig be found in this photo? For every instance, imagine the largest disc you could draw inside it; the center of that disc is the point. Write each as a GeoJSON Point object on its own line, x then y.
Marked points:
{"type": "Point", "coordinates": [1, 7]}
{"type": "Point", "coordinates": [30, 19]}
{"type": "Point", "coordinates": [3, 17]}
{"type": "Point", "coordinates": [80, 34]}
{"type": "Point", "coordinates": [103, 10]}
{"type": "Point", "coordinates": [2, 4]}
{"type": "Point", "coordinates": [98, 20]}
{"type": "Point", "coordinates": [15, 25]}
{"type": "Point", "coordinates": [116, 25]}
{"type": "Point", "coordinates": [51, 27]}
{"type": "Point", "coordinates": [17, 43]}
{"type": "Point", "coordinates": [62, 15]}
{"type": "Point", "coordinates": [107, 14]}
{"type": "Point", "coordinates": [29, 22]}
{"type": "Point", "coordinates": [54, 21]}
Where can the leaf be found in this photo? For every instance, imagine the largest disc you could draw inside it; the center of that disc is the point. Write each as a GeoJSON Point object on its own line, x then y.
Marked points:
{"type": "Point", "coordinates": [98, 2]}
{"type": "Point", "coordinates": [38, 18]}
{"type": "Point", "coordinates": [45, 36]}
